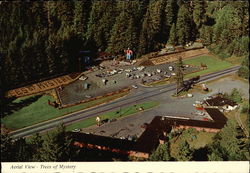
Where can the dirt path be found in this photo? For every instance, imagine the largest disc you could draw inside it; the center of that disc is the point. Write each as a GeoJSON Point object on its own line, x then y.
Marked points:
{"type": "Point", "coordinates": [237, 117]}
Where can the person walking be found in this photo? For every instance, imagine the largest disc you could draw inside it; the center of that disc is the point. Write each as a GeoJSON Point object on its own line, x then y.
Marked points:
{"type": "Point", "coordinates": [98, 120]}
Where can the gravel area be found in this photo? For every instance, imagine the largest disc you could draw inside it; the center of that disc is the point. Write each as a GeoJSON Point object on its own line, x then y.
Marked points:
{"type": "Point", "coordinates": [227, 84]}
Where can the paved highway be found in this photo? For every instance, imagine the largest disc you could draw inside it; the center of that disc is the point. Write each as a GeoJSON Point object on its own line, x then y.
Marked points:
{"type": "Point", "coordinates": [136, 96]}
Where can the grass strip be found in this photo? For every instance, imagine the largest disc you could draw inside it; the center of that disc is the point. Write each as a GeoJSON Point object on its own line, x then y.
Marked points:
{"type": "Point", "coordinates": [114, 114]}
{"type": "Point", "coordinates": [39, 111]}
{"type": "Point", "coordinates": [213, 65]}
{"type": "Point", "coordinates": [110, 115]}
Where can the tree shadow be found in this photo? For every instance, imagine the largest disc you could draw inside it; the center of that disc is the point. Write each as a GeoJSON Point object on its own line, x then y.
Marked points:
{"type": "Point", "coordinates": [10, 107]}
{"type": "Point", "coordinates": [201, 154]}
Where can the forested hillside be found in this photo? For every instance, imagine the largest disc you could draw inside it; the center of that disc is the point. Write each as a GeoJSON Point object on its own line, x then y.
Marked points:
{"type": "Point", "coordinates": [42, 39]}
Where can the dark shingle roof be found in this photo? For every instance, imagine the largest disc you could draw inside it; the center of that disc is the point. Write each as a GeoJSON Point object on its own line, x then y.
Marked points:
{"type": "Point", "coordinates": [113, 143]}
{"type": "Point", "coordinates": [149, 140]}
{"type": "Point", "coordinates": [219, 101]}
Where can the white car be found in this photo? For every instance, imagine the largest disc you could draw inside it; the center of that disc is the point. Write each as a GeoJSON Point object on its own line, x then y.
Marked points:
{"type": "Point", "coordinates": [171, 68]}
{"type": "Point", "coordinates": [198, 102]}
{"type": "Point", "coordinates": [128, 75]}
{"type": "Point", "coordinates": [113, 72]}
{"type": "Point", "coordinates": [134, 86]}
{"type": "Point", "coordinates": [88, 96]}
{"type": "Point", "coordinates": [158, 70]}
{"type": "Point", "coordinates": [140, 68]}
{"type": "Point", "coordinates": [137, 76]}
{"type": "Point", "coordinates": [83, 78]}
{"type": "Point", "coordinates": [76, 130]}
{"type": "Point", "coordinates": [128, 70]}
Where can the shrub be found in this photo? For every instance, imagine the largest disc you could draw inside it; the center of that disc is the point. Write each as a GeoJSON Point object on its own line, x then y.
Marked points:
{"type": "Point", "coordinates": [224, 55]}
{"type": "Point", "coordinates": [245, 108]}
{"type": "Point", "coordinates": [236, 95]}
{"type": "Point", "coordinates": [244, 72]}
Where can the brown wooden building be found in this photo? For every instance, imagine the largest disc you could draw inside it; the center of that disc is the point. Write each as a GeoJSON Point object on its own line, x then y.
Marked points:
{"type": "Point", "coordinates": [154, 134]}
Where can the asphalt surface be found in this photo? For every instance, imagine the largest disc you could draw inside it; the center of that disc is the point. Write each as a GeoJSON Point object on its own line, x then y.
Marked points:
{"type": "Point", "coordinates": [136, 96]}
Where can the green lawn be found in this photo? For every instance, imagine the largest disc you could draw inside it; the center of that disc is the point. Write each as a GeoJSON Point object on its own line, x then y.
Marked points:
{"type": "Point", "coordinates": [40, 111]}
{"type": "Point", "coordinates": [161, 82]}
{"type": "Point", "coordinates": [213, 65]}
{"type": "Point", "coordinates": [110, 115]}
{"type": "Point", "coordinates": [196, 140]}
{"type": "Point", "coordinates": [115, 114]}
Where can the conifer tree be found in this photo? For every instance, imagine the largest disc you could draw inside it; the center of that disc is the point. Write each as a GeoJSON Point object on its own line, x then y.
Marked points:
{"type": "Point", "coordinates": [38, 16]}
{"type": "Point", "coordinates": [232, 139]}
{"type": "Point", "coordinates": [57, 147]}
{"type": "Point", "coordinates": [199, 13]}
{"type": "Point", "coordinates": [101, 20]}
{"type": "Point", "coordinates": [179, 75]}
{"type": "Point", "coordinates": [81, 14]}
{"type": "Point", "coordinates": [184, 25]}
{"type": "Point", "coordinates": [124, 32]}
{"type": "Point", "coordinates": [171, 11]}
{"type": "Point", "coordinates": [230, 145]}
{"type": "Point", "coordinates": [184, 152]}
{"type": "Point", "coordinates": [172, 35]}
{"type": "Point", "coordinates": [65, 12]}
{"type": "Point", "coordinates": [36, 145]}
{"type": "Point", "coordinates": [162, 153]}
{"type": "Point", "coordinates": [6, 148]}
{"type": "Point", "coordinates": [22, 150]}
{"type": "Point", "coordinates": [217, 153]}
{"type": "Point", "coordinates": [150, 37]}
{"type": "Point", "coordinates": [244, 69]}
{"type": "Point", "coordinates": [226, 26]}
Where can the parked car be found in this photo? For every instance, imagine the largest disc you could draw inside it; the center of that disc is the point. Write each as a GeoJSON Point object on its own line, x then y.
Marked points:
{"type": "Point", "coordinates": [76, 130]}
{"type": "Point", "coordinates": [88, 96]}
{"type": "Point", "coordinates": [171, 68]}
{"type": "Point", "coordinates": [83, 78]}
{"type": "Point", "coordinates": [134, 86]}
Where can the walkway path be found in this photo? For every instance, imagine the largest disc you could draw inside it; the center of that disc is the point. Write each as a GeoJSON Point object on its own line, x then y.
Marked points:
{"type": "Point", "coordinates": [237, 117]}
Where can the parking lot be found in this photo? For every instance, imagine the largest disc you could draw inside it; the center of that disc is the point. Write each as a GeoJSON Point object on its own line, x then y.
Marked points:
{"type": "Point", "coordinates": [169, 106]}
{"type": "Point", "coordinates": [109, 78]}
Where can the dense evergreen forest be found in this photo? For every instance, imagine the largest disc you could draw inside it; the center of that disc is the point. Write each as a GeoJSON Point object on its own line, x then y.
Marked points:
{"type": "Point", "coordinates": [43, 39]}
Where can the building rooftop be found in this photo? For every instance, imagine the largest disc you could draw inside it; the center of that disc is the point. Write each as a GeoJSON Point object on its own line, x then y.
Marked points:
{"type": "Point", "coordinates": [216, 115]}
{"type": "Point", "coordinates": [112, 143]}
{"type": "Point", "coordinates": [220, 101]}
{"type": "Point", "coordinates": [156, 130]}
{"type": "Point", "coordinates": [149, 140]}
